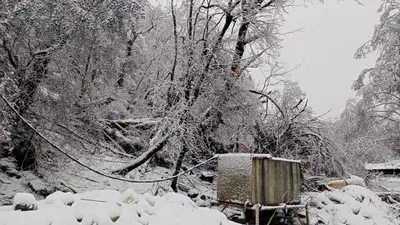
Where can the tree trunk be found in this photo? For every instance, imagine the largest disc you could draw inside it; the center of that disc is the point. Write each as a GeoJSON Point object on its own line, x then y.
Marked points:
{"type": "Point", "coordinates": [122, 74]}
{"type": "Point", "coordinates": [178, 166]}
{"type": "Point", "coordinates": [29, 83]}
{"type": "Point", "coordinates": [22, 139]}
{"type": "Point", "coordinates": [240, 44]}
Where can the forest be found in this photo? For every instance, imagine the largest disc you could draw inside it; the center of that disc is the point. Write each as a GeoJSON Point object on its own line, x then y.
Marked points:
{"type": "Point", "coordinates": [170, 85]}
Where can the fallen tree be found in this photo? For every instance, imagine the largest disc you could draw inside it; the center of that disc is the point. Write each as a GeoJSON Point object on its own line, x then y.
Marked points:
{"type": "Point", "coordinates": [143, 123]}
{"type": "Point", "coordinates": [156, 147]}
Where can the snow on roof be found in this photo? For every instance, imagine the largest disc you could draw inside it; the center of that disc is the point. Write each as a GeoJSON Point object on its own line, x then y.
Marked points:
{"type": "Point", "coordinates": [266, 156]}
{"type": "Point", "coordinates": [395, 164]}
{"type": "Point", "coordinates": [286, 160]}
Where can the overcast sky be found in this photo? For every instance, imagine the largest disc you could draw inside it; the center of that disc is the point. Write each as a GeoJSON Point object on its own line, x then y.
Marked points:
{"type": "Point", "coordinates": [331, 35]}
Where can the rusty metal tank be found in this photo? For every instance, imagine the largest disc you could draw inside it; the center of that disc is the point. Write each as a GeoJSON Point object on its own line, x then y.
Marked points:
{"type": "Point", "coordinates": [258, 178]}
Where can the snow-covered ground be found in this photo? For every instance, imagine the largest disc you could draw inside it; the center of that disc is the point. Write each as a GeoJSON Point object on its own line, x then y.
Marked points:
{"type": "Point", "coordinates": [106, 207]}
{"type": "Point", "coordinates": [351, 205]}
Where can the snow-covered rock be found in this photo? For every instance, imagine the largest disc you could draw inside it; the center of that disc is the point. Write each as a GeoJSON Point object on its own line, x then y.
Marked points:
{"type": "Point", "coordinates": [24, 202]}
{"type": "Point", "coordinates": [193, 193]}
{"type": "Point", "coordinates": [108, 207]}
{"type": "Point", "coordinates": [66, 198]}
{"type": "Point", "coordinates": [355, 180]}
{"type": "Point", "coordinates": [352, 205]}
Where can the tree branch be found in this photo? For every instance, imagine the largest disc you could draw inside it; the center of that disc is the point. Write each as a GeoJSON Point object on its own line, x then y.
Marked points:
{"type": "Point", "coordinates": [269, 98]}
{"type": "Point", "coordinates": [145, 156]}
{"type": "Point", "coordinates": [10, 56]}
{"type": "Point", "coordinates": [267, 4]}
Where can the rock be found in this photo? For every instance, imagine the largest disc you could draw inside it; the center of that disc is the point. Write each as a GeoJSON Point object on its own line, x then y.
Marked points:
{"type": "Point", "coordinates": [67, 198]}
{"type": "Point", "coordinates": [193, 193]}
{"type": "Point", "coordinates": [355, 180]}
{"type": "Point", "coordinates": [24, 202]}
{"type": "Point", "coordinates": [7, 164]}
{"type": "Point", "coordinates": [13, 173]}
{"type": "Point", "coordinates": [207, 176]}
{"type": "Point", "coordinates": [163, 159]}
{"type": "Point", "coordinates": [203, 203]}
{"type": "Point", "coordinates": [40, 188]}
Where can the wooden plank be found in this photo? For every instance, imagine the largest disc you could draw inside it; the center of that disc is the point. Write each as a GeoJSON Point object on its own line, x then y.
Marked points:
{"type": "Point", "coordinates": [272, 181]}
{"type": "Point", "coordinates": [297, 182]}
{"type": "Point", "coordinates": [258, 181]}
{"type": "Point", "coordinates": [290, 180]}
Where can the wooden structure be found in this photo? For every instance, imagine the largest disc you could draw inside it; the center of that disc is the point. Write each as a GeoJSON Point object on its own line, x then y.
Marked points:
{"type": "Point", "coordinates": [388, 168]}
{"type": "Point", "coordinates": [275, 180]}
{"type": "Point", "coordinates": [259, 183]}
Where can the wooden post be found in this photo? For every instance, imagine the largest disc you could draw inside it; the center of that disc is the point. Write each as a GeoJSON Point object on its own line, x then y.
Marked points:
{"type": "Point", "coordinates": [307, 216]}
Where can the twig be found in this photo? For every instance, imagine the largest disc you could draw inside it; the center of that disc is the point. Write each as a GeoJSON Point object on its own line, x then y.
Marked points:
{"type": "Point", "coordinates": [393, 201]}
{"type": "Point", "coordinates": [88, 167]}
{"type": "Point", "coordinates": [103, 160]}
{"type": "Point", "coordinates": [120, 127]}
{"type": "Point", "coordinates": [93, 200]}
{"type": "Point", "coordinates": [269, 98]}
{"type": "Point", "coordinates": [67, 185]}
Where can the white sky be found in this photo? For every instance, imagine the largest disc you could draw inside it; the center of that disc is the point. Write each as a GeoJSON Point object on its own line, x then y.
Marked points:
{"type": "Point", "coordinates": [331, 34]}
